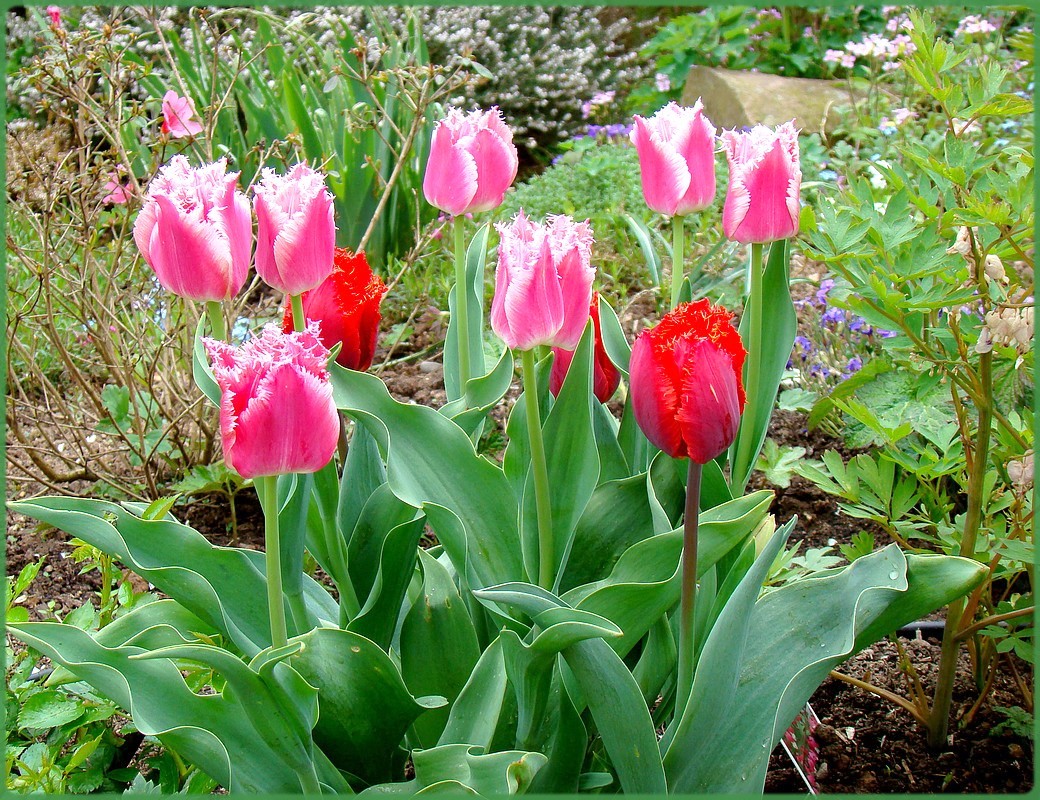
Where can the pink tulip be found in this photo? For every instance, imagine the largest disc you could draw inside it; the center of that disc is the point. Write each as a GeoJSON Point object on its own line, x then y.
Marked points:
{"type": "Point", "coordinates": [543, 284]}
{"type": "Point", "coordinates": [177, 116]}
{"type": "Point", "coordinates": [296, 231]}
{"type": "Point", "coordinates": [676, 149]}
{"type": "Point", "coordinates": [277, 414]}
{"type": "Point", "coordinates": [765, 180]}
{"type": "Point", "coordinates": [117, 192]}
{"type": "Point", "coordinates": [472, 162]}
{"type": "Point", "coordinates": [195, 230]}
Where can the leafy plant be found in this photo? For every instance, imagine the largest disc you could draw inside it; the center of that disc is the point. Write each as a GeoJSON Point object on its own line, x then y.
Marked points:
{"type": "Point", "coordinates": [779, 463]}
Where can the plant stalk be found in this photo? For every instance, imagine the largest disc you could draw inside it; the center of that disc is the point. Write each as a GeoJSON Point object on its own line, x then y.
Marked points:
{"type": "Point", "coordinates": [546, 552]}
{"type": "Point", "coordinates": [752, 373]}
{"type": "Point", "coordinates": [687, 602]}
{"type": "Point", "coordinates": [939, 720]}
{"type": "Point", "coordinates": [267, 491]}
{"type": "Point", "coordinates": [677, 257]}
{"type": "Point", "coordinates": [299, 321]}
{"type": "Point", "coordinates": [462, 303]}
{"type": "Point", "coordinates": [215, 312]}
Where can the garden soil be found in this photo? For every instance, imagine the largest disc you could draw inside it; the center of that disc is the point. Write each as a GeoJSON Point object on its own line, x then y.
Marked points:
{"type": "Point", "coordinates": [866, 744]}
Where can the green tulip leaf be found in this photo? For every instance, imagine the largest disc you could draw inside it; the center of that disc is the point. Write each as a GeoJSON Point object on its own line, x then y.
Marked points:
{"type": "Point", "coordinates": [439, 647]}
{"type": "Point", "coordinates": [475, 715]}
{"type": "Point", "coordinates": [614, 341]}
{"type": "Point", "coordinates": [750, 685]}
{"type": "Point", "coordinates": [458, 767]}
{"type": "Point", "coordinates": [221, 585]}
{"type": "Point", "coordinates": [475, 257]}
{"type": "Point", "coordinates": [779, 325]}
{"type": "Point", "coordinates": [213, 732]}
{"type": "Point", "coordinates": [452, 476]}
{"type": "Point", "coordinates": [620, 714]}
{"type": "Point", "coordinates": [363, 473]}
{"type": "Point", "coordinates": [364, 706]}
{"type": "Point", "coordinates": [201, 370]}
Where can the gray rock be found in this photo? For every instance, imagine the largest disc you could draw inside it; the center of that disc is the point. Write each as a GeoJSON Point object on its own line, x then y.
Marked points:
{"type": "Point", "coordinates": [735, 98]}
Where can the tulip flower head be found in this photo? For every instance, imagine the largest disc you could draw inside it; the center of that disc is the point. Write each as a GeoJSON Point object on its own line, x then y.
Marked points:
{"type": "Point", "coordinates": [195, 230]}
{"type": "Point", "coordinates": [472, 162]}
{"type": "Point", "coordinates": [543, 283]}
{"type": "Point", "coordinates": [178, 113]}
{"type": "Point", "coordinates": [605, 376]}
{"type": "Point", "coordinates": [296, 231]}
{"type": "Point", "coordinates": [687, 394]}
{"type": "Point", "coordinates": [765, 181]}
{"type": "Point", "coordinates": [676, 148]}
{"type": "Point", "coordinates": [346, 307]}
{"type": "Point", "coordinates": [277, 414]}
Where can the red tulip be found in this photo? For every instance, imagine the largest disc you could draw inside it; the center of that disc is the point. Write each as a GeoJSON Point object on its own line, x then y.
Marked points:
{"type": "Point", "coordinates": [686, 386]}
{"type": "Point", "coordinates": [277, 414]}
{"type": "Point", "coordinates": [346, 306]}
{"type": "Point", "coordinates": [605, 376]}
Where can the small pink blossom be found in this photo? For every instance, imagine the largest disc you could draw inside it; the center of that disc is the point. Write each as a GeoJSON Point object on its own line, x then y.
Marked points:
{"type": "Point", "coordinates": [177, 116]}
{"type": "Point", "coordinates": [54, 12]}
{"type": "Point", "coordinates": [117, 193]}
{"type": "Point", "coordinates": [662, 82]}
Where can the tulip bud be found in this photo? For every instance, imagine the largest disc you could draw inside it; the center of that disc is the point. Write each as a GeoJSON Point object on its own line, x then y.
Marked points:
{"type": "Point", "coordinates": [605, 376]}
{"type": "Point", "coordinates": [472, 162]}
{"type": "Point", "coordinates": [296, 231]}
{"type": "Point", "coordinates": [543, 283]}
{"type": "Point", "coordinates": [195, 230]}
{"type": "Point", "coordinates": [687, 394]}
{"type": "Point", "coordinates": [764, 185]}
{"type": "Point", "coordinates": [346, 307]}
{"type": "Point", "coordinates": [277, 414]}
{"type": "Point", "coordinates": [676, 148]}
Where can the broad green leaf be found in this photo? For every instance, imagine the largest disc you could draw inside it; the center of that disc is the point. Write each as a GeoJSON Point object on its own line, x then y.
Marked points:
{"type": "Point", "coordinates": [614, 341]}
{"type": "Point", "coordinates": [226, 587]}
{"type": "Point", "coordinates": [474, 716]}
{"type": "Point", "coordinates": [566, 745]}
{"type": "Point", "coordinates": [646, 245]}
{"type": "Point", "coordinates": [458, 767]}
{"type": "Point", "coordinates": [49, 709]}
{"type": "Point", "coordinates": [620, 714]}
{"type": "Point", "coordinates": [364, 706]}
{"type": "Point", "coordinates": [779, 325]}
{"type": "Point", "coordinates": [211, 731]}
{"type": "Point", "coordinates": [363, 473]}
{"type": "Point", "coordinates": [201, 371]}
{"type": "Point", "coordinates": [431, 460]}
{"type": "Point", "coordinates": [796, 635]}
{"type": "Point", "coordinates": [439, 647]}
{"type": "Point", "coordinates": [476, 255]}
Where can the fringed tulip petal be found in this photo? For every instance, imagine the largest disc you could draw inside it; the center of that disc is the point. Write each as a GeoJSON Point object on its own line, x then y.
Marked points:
{"type": "Point", "coordinates": [346, 307]}
{"type": "Point", "coordinates": [194, 230]}
{"type": "Point", "coordinates": [762, 201]}
{"type": "Point", "coordinates": [687, 394]}
{"type": "Point", "coordinates": [543, 283]}
{"type": "Point", "coordinates": [472, 162]}
{"type": "Point", "coordinates": [296, 229]}
{"type": "Point", "coordinates": [277, 414]}
{"type": "Point", "coordinates": [676, 150]}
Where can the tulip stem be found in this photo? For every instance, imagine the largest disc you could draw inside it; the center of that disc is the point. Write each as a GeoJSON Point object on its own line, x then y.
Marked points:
{"type": "Point", "coordinates": [462, 303]}
{"type": "Point", "coordinates": [299, 321]}
{"type": "Point", "coordinates": [740, 469]}
{"type": "Point", "coordinates": [546, 553]}
{"type": "Point", "coordinates": [215, 312]}
{"type": "Point", "coordinates": [687, 621]}
{"type": "Point", "coordinates": [267, 491]}
{"type": "Point", "coordinates": [677, 257]}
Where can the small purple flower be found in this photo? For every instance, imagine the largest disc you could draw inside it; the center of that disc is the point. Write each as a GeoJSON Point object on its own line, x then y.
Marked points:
{"type": "Point", "coordinates": [860, 325]}
{"type": "Point", "coordinates": [886, 334]}
{"type": "Point", "coordinates": [803, 344]}
{"type": "Point", "coordinates": [833, 316]}
{"type": "Point", "coordinates": [855, 364]}
{"type": "Point", "coordinates": [819, 369]}
{"type": "Point", "coordinates": [821, 295]}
